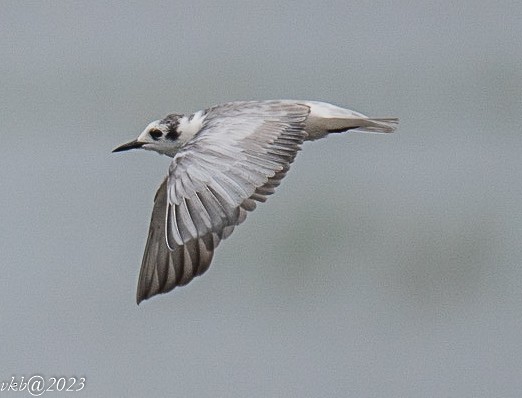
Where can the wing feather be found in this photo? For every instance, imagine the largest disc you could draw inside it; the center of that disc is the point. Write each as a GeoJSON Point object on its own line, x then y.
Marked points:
{"type": "Point", "coordinates": [238, 158]}
{"type": "Point", "coordinates": [239, 148]}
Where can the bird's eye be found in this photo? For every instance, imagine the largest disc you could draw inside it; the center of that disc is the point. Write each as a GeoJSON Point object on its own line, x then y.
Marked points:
{"type": "Point", "coordinates": [155, 134]}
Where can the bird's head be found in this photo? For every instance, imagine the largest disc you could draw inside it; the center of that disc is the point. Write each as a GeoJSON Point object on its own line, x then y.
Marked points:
{"type": "Point", "coordinates": [160, 136]}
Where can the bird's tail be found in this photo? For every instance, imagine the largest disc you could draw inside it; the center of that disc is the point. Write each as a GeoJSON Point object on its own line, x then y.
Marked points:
{"type": "Point", "coordinates": [326, 118]}
{"type": "Point", "coordinates": [356, 123]}
{"type": "Point", "coordinates": [376, 125]}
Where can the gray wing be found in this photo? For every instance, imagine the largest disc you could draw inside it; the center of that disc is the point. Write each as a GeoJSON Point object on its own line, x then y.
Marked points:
{"type": "Point", "coordinates": [164, 268]}
{"type": "Point", "coordinates": [239, 157]}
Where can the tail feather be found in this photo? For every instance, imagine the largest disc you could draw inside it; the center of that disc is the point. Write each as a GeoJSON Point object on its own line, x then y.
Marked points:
{"type": "Point", "coordinates": [377, 125]}
{"type": "Point", "coordinates": [361, 124]}
{"type": "Point", "coordinates": [326, 118]}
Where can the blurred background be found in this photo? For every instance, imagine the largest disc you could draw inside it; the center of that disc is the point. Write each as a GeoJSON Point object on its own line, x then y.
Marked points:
{"type": "Point", "coordinates": [384, 266]}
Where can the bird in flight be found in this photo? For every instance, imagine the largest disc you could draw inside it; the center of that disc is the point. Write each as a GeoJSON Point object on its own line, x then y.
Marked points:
{"type": "Point", "coordinates": [225, 159]}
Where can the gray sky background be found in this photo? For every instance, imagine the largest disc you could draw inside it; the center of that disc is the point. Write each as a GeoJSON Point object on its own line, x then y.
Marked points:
{"type": "Point", "coordinates": [385, 266]}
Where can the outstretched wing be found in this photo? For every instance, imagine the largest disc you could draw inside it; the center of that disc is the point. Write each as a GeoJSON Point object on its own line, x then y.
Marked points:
{"type": "Point", "coordinates": [239, 157]}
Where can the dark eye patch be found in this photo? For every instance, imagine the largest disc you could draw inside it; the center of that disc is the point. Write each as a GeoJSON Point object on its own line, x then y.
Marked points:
{"type": "Point", "coordinates": [172, 134]}
{"type": "Point", "coordinates": [155, 134]}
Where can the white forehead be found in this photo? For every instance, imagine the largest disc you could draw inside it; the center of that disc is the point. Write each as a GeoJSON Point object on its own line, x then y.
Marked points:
{"type": "Point", "coordinates": [152, 125]}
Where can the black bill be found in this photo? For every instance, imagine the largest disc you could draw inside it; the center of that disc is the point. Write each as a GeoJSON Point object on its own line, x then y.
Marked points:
{"type": "Point", "coordinates": [129, 145]}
